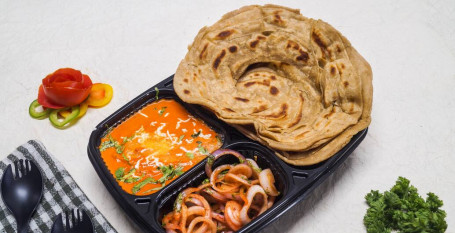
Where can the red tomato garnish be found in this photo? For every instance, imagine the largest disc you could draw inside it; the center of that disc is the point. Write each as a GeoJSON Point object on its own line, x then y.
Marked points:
{"type": "Point", "coordinates": [63, 88]}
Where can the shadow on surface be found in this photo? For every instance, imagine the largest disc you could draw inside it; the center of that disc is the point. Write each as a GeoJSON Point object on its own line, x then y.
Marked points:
{"type": "Point", "coordinates": [298, 212]}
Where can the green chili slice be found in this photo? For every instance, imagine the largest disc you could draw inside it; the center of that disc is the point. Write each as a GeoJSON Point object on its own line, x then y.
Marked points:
{"type": "Point", "coordinates": [53, 117]}
{"type": "Point", "coordinates": [32, 110]}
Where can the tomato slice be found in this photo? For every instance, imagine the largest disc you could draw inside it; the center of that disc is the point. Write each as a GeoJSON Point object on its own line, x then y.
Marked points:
{"type": "Point", "coordinates": [46, 102]}
{"type": "Point", "coordinates": [100, 95]}
{"type": "Point", "coordinates": [82, 110]}
{"type": "Point", "coordinates": [63, 91]}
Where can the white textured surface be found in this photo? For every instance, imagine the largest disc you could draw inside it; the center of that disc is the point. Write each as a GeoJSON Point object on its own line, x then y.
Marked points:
{"type": "Point", "coordinates": [134, 44]}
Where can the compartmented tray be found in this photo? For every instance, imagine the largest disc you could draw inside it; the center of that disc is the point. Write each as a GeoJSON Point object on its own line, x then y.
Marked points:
{"type": "Point", "coordinates": [293, 182]}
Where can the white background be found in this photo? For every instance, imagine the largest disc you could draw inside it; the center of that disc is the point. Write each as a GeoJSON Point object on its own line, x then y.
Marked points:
{"type": "Point", "coordinates": [132, 45]}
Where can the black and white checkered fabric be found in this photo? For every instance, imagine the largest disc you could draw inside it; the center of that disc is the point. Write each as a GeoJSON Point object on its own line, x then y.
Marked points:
{"type": "Point", "coordinates": [60, 193]}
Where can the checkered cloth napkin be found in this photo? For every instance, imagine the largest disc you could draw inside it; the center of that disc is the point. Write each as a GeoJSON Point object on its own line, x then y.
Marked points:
{"type": "Point", "coordinates": [60, 193]}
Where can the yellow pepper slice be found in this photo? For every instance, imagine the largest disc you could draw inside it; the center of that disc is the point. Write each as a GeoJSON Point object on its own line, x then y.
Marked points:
{"type": "Point", "coordinates": [82, 110]}
{"type": "Point", "coordinates": [100, 95]}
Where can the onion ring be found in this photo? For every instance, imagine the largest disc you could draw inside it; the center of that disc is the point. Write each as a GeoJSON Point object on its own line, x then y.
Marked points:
{"type": "Point", "coordinates": [254, 166]}
{"type": "Point", "coordinates": [215, 195]}
{"type": "Point", "coordinates": [217, 154]}
{"type": "Point", "coordinates": [267, 180]}
{"type": "Point", "coordinates": [236, 179]}
{"type": "Point", "coordinates": [252, 191]}
{"type": "Point", "coordinates": [232, 215]}
{"type": "Point", "coordinates": [214, 176]}
{"type": "Point", "coordinates": [197, 220]}
{"type": "Point", "coordinates": [204, 202]}
{"type": "Point", "coordinates": [242, 169]}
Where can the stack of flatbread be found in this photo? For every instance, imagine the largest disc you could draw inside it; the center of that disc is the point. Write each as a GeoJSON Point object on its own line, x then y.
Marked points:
{"type": "Point", "coordinates": [292, 83]}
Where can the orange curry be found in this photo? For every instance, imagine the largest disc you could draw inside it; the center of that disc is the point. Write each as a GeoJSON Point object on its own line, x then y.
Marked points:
{"type": "Point", "coordinates": [156, 145]}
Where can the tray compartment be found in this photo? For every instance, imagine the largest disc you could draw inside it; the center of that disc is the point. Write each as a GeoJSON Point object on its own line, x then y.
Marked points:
{"type": "Point", "coordinates": [264, 158]}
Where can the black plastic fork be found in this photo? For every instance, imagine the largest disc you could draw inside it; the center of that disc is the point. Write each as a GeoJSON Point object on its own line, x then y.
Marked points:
{"type": "Point", "coordinates": [77, 221]}
{"type": "Point", "coordinates": [22, 191]}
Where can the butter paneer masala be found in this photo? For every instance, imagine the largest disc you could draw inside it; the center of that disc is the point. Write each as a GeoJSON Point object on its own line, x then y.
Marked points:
{"type": "Point", "coordinates": [156, 145]}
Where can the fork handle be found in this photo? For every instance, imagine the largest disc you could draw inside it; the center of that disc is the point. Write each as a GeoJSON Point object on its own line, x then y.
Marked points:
{"type": "Point", "coordinates": [22, 227]}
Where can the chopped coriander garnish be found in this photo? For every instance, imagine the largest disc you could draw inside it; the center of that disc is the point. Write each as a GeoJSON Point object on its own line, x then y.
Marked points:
{"type": "Point", "coordinates": [210, 160]}
{"type": "Point", "coordinates": [178, 203]}
{"type": "Point", "coordinates": [181, 138]}
{"type": "Point", "coordinates": [128, 139]}
{"type": "Point", "coordinates": [257, 169]}
{"type": "Point", "coordinates": [141, 184]}
{"type": "Point", "coordinates": [111, 142]}
{"type": "Point", "coordinates": [206, 181]}
{"type": "Point", "coordinates": [202, 150]}
{"type": "Point", "coordinates": [127, 178]}
{"type": "Point", "coordinates": [161, 111]}
{"type": "Point", "coordinates": [157, 91]}
{"type": "Point", "coordinates": [190, 155]}
{"type": "Point", "coordinates": [119, 173]}
{"type": "Point", "coordinates": [169, 172]}
{"type": "Point", "coordinates": [195, 135]}
{"type": "Point", "coordinates": [125, 158]}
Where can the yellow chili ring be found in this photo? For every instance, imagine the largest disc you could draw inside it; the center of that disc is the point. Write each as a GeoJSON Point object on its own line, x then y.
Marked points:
{"type": "Point", "coordinates": [82, 110]}
{"type": "Point", "coordinates": [100, 95]}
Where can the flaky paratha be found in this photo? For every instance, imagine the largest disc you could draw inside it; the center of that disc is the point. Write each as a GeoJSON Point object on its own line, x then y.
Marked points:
{"type": "Point", "coordinates": [293, 83]}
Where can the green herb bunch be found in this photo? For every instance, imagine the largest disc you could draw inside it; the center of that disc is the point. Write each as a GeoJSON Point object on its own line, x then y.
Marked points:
{"type": "Point", "coordinates": [402, 209]}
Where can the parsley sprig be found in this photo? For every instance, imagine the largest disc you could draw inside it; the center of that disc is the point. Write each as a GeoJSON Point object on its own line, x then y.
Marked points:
{"type": "Point", "coordinates": [402, 209]}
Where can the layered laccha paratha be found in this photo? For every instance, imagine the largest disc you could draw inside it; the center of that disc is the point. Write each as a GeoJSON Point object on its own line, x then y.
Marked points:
{"type": "Point", "coordinates": [293, 83]}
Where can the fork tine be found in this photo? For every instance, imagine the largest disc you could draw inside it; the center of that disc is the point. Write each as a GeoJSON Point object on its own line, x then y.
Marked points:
{"type": "Point", "coordinates": [79, 215]}
{"type": "Point", "coordinates": [67, 220]}
{"type": "Point", "coordinates": [73, 216]}
{"type": "Point", "coordinates": [16, 169]}
{"type": "Point", "coordinates": [21, 167]}
{"type": "Point", "coordinates": [34, 170]}
{"type": "Point", "coordinates": [27, 166]}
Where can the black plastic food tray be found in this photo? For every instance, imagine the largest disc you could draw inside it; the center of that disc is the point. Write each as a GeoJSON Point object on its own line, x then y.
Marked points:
{"type": "Point", "coordinates": [293, 182]}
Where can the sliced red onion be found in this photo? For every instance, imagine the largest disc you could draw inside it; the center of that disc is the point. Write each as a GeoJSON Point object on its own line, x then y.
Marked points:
{"type": "Point", "coordinates": [254, 166]}
{"type": "Point", "coordinates": [267, 181]}
{"type": "Point", "coordinates": [252, 191]}
{"type": "Point", "coordinates": [215, 195]}
{"type": "Point", "coordinates": [242, 169]}
{"type": "Point", "coordinates": [208, 221]}
{"type": "Point", "coordinates": [217, 154]}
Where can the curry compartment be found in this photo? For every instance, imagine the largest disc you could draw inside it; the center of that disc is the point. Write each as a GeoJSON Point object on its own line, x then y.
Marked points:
{"type": "Point", "coordinates": [130, 110]}
{"type": "Point", "coordinates": [263, 157]}
{"type": "Point", "coordinates": [294, 182]}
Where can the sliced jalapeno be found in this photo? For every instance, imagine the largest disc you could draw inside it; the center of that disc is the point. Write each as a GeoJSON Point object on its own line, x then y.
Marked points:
{"type": "Point", "coordinates": [53, 117]}
{"type": "Point", "coordinates": [37, 111]}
